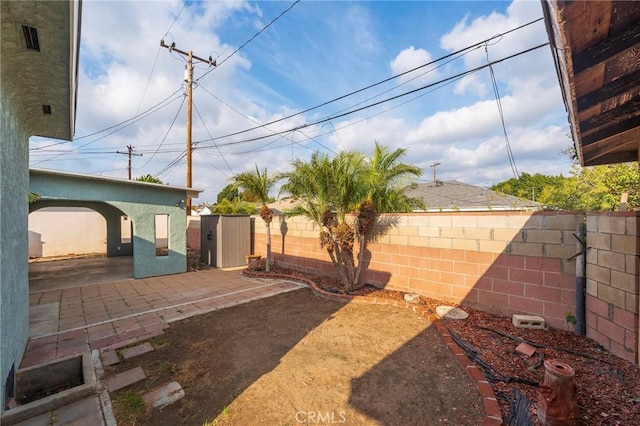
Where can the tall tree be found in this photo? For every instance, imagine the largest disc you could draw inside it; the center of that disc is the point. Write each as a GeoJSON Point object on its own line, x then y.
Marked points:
{"type": "Point", "coordinates": [259, 184]}
{"type": "Point", "coordinates": [148, 178]}
{"type": "Point", "coordinates": [229, 192]}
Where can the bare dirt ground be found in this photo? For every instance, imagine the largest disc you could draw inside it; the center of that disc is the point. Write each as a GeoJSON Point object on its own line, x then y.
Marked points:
{"type": "Point", "coordinates": [299, 359]}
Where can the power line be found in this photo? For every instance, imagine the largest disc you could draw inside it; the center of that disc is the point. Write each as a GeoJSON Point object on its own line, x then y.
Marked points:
{"type": "Point", "coordinates": [164, 138]}
{"type": "Point", "coordinates": [205, 127]}
{"type": "Point", "coordinates": [252, 38]}
{"type": "Point", "coordinates": [473, 46]}
{"type": "Point", "coordinates": [335, 116]}
{"type": "Point", "coordinates": [494, 83]}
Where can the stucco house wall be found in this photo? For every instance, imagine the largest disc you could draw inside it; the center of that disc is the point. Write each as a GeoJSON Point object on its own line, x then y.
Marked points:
{"type": "Point", "coordinates": [37, 98]}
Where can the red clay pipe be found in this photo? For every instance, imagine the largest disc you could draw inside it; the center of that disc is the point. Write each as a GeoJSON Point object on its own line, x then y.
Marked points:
{"type": "Point", "coordinates": [557, 403]}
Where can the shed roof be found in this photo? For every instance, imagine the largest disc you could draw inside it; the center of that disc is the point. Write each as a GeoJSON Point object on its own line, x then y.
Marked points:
{"type": "Point", "coordinates": [596, 48]}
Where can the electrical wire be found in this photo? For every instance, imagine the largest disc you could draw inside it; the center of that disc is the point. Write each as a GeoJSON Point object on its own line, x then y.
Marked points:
{"type": "Point", "coordinates": [494, 83]}
{"type": "Point", "coordinates": [473, 46]}
{"type": "Point", "coordinates": [251, 39]}
{"type": "Point", "coordinates": [344, 114]}
{"type": "Point", "coordinates": [205, 127]}
{"type": "Point", "coordinates": [175, 117]}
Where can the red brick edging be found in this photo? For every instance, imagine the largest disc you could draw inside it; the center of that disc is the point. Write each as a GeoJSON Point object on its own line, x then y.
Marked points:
{"type": "Point", "coordinates": [491, 406]}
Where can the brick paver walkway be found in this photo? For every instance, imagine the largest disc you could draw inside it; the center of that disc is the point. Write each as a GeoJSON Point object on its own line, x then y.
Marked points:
{"type": "Point", "coordinates": [113, 315]}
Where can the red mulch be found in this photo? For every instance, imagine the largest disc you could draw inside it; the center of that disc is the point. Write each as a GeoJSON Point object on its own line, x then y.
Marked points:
{"type": "Point", "coordinates": [607, 387]}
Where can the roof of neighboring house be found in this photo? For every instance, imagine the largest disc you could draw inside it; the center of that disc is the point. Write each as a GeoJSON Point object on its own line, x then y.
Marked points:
{"type": "Point", "coordinates": [596, 45]}
{"type": "Point", "coordinates": [458, 196]}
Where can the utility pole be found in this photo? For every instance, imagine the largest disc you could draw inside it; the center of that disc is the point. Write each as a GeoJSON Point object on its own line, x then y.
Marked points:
{"type": "Point", "coordinates": [129, 153]}
{"type": "Point", "coordinates": [434, 165]}
{"type": "Point", "coordinates": [189, 81]}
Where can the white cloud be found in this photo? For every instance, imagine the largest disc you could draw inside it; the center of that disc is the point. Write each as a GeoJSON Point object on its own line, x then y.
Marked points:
{"type": "Point", "coordinates": [409, 59]}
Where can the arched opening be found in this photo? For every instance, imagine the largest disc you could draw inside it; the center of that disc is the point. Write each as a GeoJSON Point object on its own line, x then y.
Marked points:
{"type": "Point", "coordinates": [67, 232]}
{"type": "Point", "coordinates": [75, 243]}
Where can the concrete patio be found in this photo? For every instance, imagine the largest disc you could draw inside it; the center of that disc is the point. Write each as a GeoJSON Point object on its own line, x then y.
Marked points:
{"type": "Point", "coordinates": [89, 305]}
{"type": "Point", "coordinates": [74, 313]}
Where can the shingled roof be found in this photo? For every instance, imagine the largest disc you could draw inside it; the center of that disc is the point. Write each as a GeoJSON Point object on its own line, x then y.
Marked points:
{"type": "Point", "coordinates": [458, 196]}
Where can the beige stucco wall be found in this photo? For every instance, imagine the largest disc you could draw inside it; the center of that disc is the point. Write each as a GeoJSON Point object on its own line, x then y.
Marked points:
{"type": "Point", "coordinates": [59, 231]}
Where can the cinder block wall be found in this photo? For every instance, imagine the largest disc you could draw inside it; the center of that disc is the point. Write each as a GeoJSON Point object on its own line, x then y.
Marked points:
{"type": "Point", "coordinates": [507, 262]}
{"type": "Point", "coordinates": [193, 232]}
{"type": "Point", "coordinates": [612, 282]}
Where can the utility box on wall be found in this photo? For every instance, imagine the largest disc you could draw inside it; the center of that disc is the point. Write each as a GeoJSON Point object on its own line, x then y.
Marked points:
{"type": "Point", "coordinates": [225, 240]}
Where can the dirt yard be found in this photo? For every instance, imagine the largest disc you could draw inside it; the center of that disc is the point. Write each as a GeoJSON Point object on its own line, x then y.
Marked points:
{"type": "Point", "coordinates": [299, 359]}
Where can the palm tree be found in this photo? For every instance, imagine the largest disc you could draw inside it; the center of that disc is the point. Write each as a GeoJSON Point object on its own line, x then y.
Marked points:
{"type": "Point", "coordinates": [259, 184]}
{"type": "Point", "coordinates": [329, 189]}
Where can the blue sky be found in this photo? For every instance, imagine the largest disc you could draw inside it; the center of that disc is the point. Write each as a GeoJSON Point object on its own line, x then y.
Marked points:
{"type": "Point", "coordinates": [315, 52]}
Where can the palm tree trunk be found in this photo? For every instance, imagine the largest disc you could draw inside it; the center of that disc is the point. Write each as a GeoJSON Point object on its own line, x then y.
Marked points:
{"type": "Point", "coordinates": [268, 265]}
{"type": "Point", "coordinates": [363, 246]}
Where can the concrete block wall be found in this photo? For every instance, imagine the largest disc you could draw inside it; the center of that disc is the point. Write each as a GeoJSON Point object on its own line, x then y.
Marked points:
{"type": "Point", "coordinates": [193, 232]}
{"type": "Point", "coordinates": [507, 262]}
{"type": "Point", "coordinates": [612, 281]}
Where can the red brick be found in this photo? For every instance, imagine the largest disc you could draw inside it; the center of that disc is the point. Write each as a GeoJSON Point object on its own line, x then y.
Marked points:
{"type": "Point", "coordinates": [557, 310]}
{"type": "Point", "coordinates": [552, 279]}
{"type": "Point", "coordinates": [597, 306]}
{"type": "Point", "coordinates": [492, 408]}
{"type": "Point", "coordinates": [510, 261]}
{"type": "Point", "coordinates": [612, 330]}
{"type": "Point", "coordinates": [442, 265]}
{"type": "Point", "coordinates": [622, 352]}
{"type": "Point", "coordinates": [484, 284]}
{"type": "Point", "coordinates": [543, 293]}
{"type": "Point", "coordinates": [625, 319]}
{"type": "Point", "coordinates": [526, 305]}
{"type": "Point", "coordinates": [465, 268]}
{"type": "Point", "coordinates": [448, 278]}
{"type": "Point", "coordinates": [449, 254]}
{"type": "Point", "coordinates": [497, 272]}
{"type": "Point", "coordinates": [630, 339]}
{"type": "Point", "coordinates": [525, 276]}
{"type": "Point", "coordinates": [476, 374]}
{"type": "Point", "coordinates": [479, 258]}
{"type": "Point", "coordinates": [508, 287]}
{"type": "Point", "coordinates": [569, 297]}
{"type": "Point", "coordinates": [493, 299]}
{"type": "Point", "coordinates": [599, 337]}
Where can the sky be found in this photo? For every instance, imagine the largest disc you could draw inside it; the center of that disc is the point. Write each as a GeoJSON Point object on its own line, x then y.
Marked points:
{"type": "Point", "coordinates": [294, 78]}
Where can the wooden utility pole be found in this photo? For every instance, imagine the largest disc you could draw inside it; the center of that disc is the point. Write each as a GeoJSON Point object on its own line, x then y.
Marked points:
{"type": "Point", "coordinates": [435, 165]}
{"type": "Point", "coordinates": [130, 153]}
{"type": "Point", "coordinates": [189, 112]}
{"type": "Point", "coordinates": [189, 81]}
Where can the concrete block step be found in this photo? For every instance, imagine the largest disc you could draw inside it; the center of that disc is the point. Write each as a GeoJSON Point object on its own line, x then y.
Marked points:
{"type": "Point", "coordinates": [137, 350]}
{"type": "Point", "coordinates": [528, 321]}
{"type": "Point", "coordinates": [164, 395]}
{"type": "Point", "coordinates": [126, 378]}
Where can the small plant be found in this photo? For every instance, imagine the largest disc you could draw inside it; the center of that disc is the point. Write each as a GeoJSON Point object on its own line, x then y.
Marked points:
{"type": "Point", "coordinates": [129, 406]}
{"type": "Point", "coordinates": [570, 318]}
{"type": "Point", "coordinates": [174, 368]}
{"type": "Point", "coordinates": [158, 342]}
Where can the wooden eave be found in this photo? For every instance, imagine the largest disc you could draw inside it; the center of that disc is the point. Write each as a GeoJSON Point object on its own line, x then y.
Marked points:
{"type": "Point", "coordinates": [596, 48]}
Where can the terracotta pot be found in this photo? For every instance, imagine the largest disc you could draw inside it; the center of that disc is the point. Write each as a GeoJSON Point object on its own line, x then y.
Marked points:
{"type": "Point", "coordinates": [557, 403]}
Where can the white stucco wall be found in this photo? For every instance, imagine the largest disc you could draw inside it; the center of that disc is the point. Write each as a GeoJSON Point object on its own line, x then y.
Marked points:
{"type": "Point", "coordinates": [59, 231]}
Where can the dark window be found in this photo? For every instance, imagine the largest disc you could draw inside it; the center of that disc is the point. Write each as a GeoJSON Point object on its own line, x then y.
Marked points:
{"type": "Point", "coordinates": [31, 37]}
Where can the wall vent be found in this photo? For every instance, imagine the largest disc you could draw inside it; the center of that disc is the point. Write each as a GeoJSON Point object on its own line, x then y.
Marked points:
{"type": "Point", "coordinates": [46, 109]}
{"type": "Point", "coordinates": [31, 37]}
